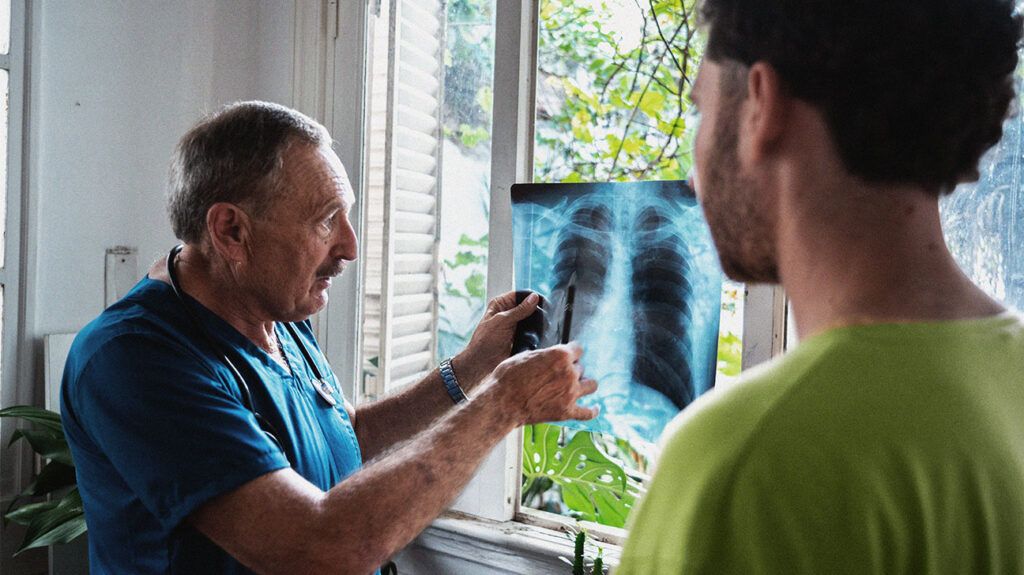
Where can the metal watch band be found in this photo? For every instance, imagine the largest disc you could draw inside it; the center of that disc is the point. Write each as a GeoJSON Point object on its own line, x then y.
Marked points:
{"type": "Point", "coordinates": [451, 383]}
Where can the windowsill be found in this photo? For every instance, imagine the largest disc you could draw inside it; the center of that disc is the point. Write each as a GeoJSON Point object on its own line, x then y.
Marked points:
{"type": "Point", "coordinates": [457, 542]}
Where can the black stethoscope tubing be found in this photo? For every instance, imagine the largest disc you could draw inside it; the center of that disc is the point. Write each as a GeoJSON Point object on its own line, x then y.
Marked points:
{"type": "Point", "coordinates": [243, 386]}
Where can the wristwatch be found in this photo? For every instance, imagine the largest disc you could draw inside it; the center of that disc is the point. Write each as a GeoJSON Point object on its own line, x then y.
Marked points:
{"type": "Point", "coordinates": [451, 383]}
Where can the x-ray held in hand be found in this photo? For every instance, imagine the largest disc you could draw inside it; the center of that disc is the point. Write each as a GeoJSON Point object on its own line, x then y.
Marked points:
{"type": "Point", "coordinates": [629, 271]}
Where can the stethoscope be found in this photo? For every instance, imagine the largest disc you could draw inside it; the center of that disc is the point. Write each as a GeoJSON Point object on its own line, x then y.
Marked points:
{"type": "Point", "coordinates": [320, 383]}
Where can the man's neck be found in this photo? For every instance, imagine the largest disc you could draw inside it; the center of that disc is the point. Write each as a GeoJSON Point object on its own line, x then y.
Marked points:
{"type": "Point", "coordinates": [206, 280]}
{"type": "Point", "coordinates": [850, 254]}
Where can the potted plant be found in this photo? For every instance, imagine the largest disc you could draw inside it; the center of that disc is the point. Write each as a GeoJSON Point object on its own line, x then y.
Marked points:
{"type": "Point", "coordinates": [60, 518]}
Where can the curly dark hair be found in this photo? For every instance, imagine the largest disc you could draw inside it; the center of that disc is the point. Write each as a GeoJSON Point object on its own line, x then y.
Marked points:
{"type": "Point", "coordinates": [913, 91]}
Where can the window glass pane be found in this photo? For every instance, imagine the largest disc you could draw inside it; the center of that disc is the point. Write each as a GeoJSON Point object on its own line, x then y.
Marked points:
{"type": "Point", "coordinates": [984, 221]}
{"type": "Point", "coordinates": [465, 187]}
{"type": "Point", "coordinates": [613, 84]}
{"type": "Point", "coordinates": [5, 26]}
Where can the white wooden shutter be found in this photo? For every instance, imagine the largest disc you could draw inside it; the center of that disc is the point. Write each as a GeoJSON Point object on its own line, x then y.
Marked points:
{"type": "Point", "coordinates": [403, 204]}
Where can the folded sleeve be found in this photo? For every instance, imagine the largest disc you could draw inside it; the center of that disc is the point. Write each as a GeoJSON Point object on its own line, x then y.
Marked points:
{"type": "Point", "coordinates": [173, 428]}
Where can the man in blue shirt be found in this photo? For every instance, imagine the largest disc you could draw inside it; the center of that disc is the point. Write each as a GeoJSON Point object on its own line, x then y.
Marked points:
{"type": "Point", "coordinates": [208, 431]}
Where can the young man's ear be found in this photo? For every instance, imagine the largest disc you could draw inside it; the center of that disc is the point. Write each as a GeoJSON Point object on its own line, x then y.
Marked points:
{"type": "Point", "coordinates": [764, 113]}
{"type": "Point", "coordinates": [229, 229]}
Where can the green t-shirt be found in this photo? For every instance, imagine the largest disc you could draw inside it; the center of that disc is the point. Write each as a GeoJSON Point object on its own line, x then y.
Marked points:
{"type": "Point", "coordinates": [895, 448]}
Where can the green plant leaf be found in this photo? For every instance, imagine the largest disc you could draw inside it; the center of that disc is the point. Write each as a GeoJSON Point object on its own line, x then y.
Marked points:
{"type": "Point", "coordinates": [730, 354]}
{"type": "Point", "coordinates": [24, 514]}
{"type": "Point", "coordinates": [42, 417]}
{"type": "Point", "coordinates": [592, 484]}
{"type": "Point", "coordinates": [465, 240]}
{"type": "Point", "coordinates": [54, 475]}
{"type": "Point", "coordinates": [61, 524]}
{"type": "Point", "coordinates": [47, 443]}
{"type": "Point", "coordinates": [476, 285]}
{"type": "Point", "coordinates": [465, 259]}
{"type": "Point", "coordinates": [631, 145]}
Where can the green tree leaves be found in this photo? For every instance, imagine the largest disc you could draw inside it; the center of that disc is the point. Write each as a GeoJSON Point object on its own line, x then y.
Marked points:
{"type": "Point", "coordinates": [610, 109]}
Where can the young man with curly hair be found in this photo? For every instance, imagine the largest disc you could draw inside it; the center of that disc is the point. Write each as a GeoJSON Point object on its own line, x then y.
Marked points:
{"type": "Point", "coordinates": [891, 440]}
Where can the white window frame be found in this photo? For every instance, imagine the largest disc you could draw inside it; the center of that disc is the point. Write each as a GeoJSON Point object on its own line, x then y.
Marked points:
{"type": "Point", "coordinates": [16, 350]}
{"type": "Point", "coordinates": [493, 494]}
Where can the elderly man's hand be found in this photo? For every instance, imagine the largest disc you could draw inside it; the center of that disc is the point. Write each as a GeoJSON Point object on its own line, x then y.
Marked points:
{"type": "Point", "coordinates": [492, 340]}
{"type": "Point", "coordinates": [543, 385]}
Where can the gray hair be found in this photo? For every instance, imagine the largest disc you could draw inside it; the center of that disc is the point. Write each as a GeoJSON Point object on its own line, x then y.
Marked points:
{"type": "Point", "coordinates": [235, 155]}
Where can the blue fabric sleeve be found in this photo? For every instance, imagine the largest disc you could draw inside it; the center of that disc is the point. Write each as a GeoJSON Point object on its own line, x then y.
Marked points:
{"type": "Point", "coordinates": [171, 428]}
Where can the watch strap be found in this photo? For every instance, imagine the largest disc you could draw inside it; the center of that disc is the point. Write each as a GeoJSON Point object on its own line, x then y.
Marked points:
{"type": "Point", "coordinates": [451, 383]}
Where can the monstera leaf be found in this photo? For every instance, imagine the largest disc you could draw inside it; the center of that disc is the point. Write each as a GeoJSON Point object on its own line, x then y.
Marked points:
{"type": "Point", "coordinates": [592, 484]}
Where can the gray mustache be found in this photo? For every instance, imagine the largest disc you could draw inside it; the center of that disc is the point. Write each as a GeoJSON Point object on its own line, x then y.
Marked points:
{"type": "Point", "coordinates": [334, 270]}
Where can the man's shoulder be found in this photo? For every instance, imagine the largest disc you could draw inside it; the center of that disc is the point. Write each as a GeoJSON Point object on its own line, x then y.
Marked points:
{"type": "Point", "coordinates": [840, 404]}
{"type": "Point", "coordinates": [704, 449]}
{"type": "Point", "coordinates": [847, 418]}
{"type": "Point", "coordinates": [743, 404]}
{"type": "Point", "coordinates": [142, 314]}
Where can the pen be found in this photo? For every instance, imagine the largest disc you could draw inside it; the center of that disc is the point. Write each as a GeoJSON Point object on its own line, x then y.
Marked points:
{"type": "Point", "coordinates": [570, 297]}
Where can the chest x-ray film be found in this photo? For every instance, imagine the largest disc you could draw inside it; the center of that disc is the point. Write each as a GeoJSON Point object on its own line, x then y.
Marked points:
{"type": "Point", "coordinates": [636, 263]}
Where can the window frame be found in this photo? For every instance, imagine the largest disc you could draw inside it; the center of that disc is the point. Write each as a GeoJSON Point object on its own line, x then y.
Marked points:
{"type": "Point", "coordinates": [339, 330]}
{"type": "Point", "coordinates": [16, 348]}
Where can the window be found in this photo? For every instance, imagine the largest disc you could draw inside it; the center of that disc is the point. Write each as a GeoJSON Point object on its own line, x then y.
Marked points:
{"type": "Point", "coordinates": [589, 91]}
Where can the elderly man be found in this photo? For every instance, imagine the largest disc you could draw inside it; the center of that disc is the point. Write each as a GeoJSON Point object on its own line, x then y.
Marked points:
{"type": "Point", "coordinates": [209, 433]}
{"type": "Point", "coordinates": [891, 440]}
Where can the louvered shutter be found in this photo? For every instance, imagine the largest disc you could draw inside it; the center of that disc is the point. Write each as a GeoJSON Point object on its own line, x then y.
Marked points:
{"type": "Point", "coordinates": [403, 184]}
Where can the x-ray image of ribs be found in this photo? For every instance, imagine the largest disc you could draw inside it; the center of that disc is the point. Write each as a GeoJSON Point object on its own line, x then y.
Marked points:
{"type": "Point", "coordinates": [584, 247]}
{"type": "Point", "coordinates": [661, 292]}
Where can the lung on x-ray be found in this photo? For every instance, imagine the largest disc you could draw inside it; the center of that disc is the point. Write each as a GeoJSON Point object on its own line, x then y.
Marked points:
{"type": "Point", "coordinates": [637, 262]}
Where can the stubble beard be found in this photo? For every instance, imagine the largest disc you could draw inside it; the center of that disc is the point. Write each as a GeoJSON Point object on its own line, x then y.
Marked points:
{"type": "Point", "coordinates": [736, 213]}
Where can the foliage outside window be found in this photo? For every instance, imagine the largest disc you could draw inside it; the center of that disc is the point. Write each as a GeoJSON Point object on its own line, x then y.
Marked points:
{"type": "Point", "coordinates": [613, 90]}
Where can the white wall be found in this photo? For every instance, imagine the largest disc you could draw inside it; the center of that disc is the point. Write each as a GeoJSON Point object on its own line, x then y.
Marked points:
{"type": "Point", "coordinates": [117, 83]}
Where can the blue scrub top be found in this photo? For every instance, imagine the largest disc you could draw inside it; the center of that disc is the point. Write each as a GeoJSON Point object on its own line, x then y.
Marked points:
{"type": "Point", "coordinates": [157, 427]}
